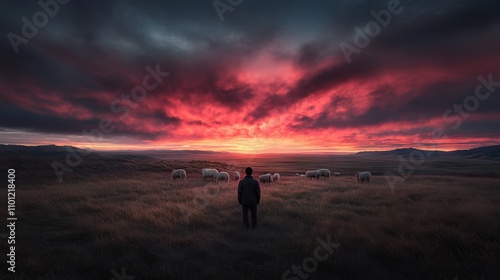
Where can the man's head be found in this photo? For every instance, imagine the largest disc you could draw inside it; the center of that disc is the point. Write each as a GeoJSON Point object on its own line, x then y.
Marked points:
{"type": "Point", "coordinates": [248, 171]}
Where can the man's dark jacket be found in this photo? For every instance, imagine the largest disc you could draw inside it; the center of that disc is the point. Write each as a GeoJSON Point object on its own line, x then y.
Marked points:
{"type": "Point", "coordinates": [249, 191]}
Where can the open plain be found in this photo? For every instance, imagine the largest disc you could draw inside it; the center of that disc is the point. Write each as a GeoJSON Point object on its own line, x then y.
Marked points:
{"type": "Point", "coordinates": [124, 214]}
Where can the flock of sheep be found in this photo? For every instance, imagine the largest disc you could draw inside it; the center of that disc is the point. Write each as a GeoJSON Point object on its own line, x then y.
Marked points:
{"type": "Point", "coordinates": [215, 175]}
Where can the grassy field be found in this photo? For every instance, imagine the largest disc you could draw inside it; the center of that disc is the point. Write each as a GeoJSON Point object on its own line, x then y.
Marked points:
{"type": "Point", "coordinates": [136, 218]}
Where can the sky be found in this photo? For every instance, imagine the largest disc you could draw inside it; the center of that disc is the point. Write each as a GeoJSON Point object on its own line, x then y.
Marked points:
{"type": "Point", "coordinates": [251, 76]}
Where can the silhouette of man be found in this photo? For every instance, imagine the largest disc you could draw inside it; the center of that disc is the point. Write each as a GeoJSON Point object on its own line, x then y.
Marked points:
{"type": "Point", "coordinates": [249, 197]}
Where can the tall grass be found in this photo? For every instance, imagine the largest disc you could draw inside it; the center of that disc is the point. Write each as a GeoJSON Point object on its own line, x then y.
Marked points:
{"type": "Point", "coordinates": [430, 227]}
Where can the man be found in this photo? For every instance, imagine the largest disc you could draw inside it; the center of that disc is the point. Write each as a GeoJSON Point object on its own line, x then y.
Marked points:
{"type": "Point", "coordinates": [249, 197]}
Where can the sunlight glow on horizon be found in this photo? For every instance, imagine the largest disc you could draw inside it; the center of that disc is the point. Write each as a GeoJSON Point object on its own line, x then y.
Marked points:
{"type": "Point", "coordinates": [244, 146]}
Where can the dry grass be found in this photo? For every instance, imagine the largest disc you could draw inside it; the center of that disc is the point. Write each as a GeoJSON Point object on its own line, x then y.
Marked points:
{"type": "Point", "coordinates": [433, 227]}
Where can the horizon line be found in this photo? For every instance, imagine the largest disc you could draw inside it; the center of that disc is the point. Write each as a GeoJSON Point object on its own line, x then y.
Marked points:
{"type": "Point", "coordinates": [242, 153]}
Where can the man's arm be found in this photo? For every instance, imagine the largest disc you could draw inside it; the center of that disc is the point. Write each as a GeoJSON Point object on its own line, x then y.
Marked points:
{"type": "Point", "coordinates": [239, 192]}
{"type": "Point", "coordinates": [257, 191]}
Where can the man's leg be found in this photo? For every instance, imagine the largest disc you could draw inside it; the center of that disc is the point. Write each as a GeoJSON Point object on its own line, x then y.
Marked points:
{"type": "Point", "coordinates": [245, 216]}
{"type": "Point", "coordinates": [253, 209]}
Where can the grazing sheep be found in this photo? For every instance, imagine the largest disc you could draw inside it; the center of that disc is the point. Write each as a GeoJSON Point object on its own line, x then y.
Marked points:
{"type": "Point", "coordinates": [222, 176]}
{"type": "Point", "coordinates": [236, 175]}
{"type": "Point", "coordinates": [297, 174]}
{"type": "Point", "coordinates": [178, 174]}
{"type": "Point", "coordinates": [266, 178]}
{"type": "Point", "coordinates": [302, 175]}
{"type": "Point", "coordinates": [324, 173]}
{"type": "Point", "coordinates": [364, 176]}
{"type": "Point", "coordinates": [337, 174]}
{"type": "Point", "coordinates": [209, 173]}
{"type": "Point", "coordinates": [271, 175]}
{"type": "Point", "coordinates": [313, 174]}
{"type": "Point", "coordinates": [276, 176]}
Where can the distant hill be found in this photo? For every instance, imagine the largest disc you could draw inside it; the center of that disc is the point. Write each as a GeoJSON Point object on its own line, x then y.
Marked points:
{"type": "Point", "coordinates": [405, 152]}
{"type": "Point", "coordinates": [33, 164]}
{"type": "Point", "coordinates": [488, 152]}
{"type": "Point", "coordinates": [175, 154]}
{"type": "Point", "coordinates": [56, 151]}
{"type": "Point", "coordinates": [33, 151]}
{"type": "Point", "coordinates": [48, 151]}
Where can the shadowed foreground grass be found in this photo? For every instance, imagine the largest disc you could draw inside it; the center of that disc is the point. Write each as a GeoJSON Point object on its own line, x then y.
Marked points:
{"type": "Point", "coordinates": [433, 227]}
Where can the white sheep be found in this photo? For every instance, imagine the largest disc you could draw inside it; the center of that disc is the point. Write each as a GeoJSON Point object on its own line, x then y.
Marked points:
{"type": "Point", "coordinates": [236, 175]}
{"type": "Point", "coordinates": [266, 178]}
{"type": "Point", "coordinates": [209, 173]}
{"type": "Point", "coordinates": [302, 175]}
{"type": "Point", "coordinates": [364, 176]}
{"type": "Point", "coordinates": [313, 174]}
{"type": "Point", "coordinates": [276, 176]}
{"type": "Point", "coordinates": [324, 173]}
{"type": "Point", "coordinates": [272, 178]}
{"type": "Point", "coordinates": [222, 176]}
{"type": "Point", "coordinates": [178, 174]}
{"type": "Point", "coordinates": [337, 174]}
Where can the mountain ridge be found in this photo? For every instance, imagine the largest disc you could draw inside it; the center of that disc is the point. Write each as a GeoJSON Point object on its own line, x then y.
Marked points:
{"type": "Point", "coordinates": [484, 152]}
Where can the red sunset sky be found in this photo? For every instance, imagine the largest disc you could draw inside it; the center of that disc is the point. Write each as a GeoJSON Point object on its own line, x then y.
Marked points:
{"type": "Point", "coordinates": [270, 77]}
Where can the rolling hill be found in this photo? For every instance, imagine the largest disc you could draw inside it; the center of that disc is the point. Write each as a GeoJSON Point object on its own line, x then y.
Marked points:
{"type": "Point", "coordinates": [488, 152]}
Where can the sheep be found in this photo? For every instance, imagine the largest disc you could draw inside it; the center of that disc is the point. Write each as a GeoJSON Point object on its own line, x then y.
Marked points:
{"type": "Point", "coordinates": [209, 173]}
{"type": "Point", "coordinates": [178, 173]}
{"type": "Point", "coordinates": [222, 176]}
{"type": "Point", "coordinates": [313, 174]}
{"type": "Point", "coordinates": [364, 176]}
{"type": "Point", "coordinates": [266, 178]}
{"type": "Point", "coordinates": [337, 174]}
{"type": "Point", "coordinates": [324, 173]}
{"type": "Point", "coordinates": [297, 174]}
{"type": "Point", "coordinates": [302, 175]}
{"type": "Point", "coordinates": [236, 175]}
{"type": "Point", "coordinates": [272, 178]}
{"type": "Point", "coordinates": [276, 176]}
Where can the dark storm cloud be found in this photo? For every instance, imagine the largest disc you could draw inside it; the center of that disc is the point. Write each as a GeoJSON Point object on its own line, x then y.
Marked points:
{"type": "Point", "coordinates": [232, 98]}
{"type": "Point", "coordinates": [91, 52]}
{"type": "Point", "coordinates": [37, 122]}
{"type": "Point", "coordinates": [24, 119]}
{"type": "Point", "coordinates": [456, 34]}
{"type": "Point", "coordinates": [267, 107]}
{"type": "Point", "coordinates": [160, 118]}
{"type": "Point", "coordinates": [460, 34]}
{"type": "Point", "coordinates": [430, 104]}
